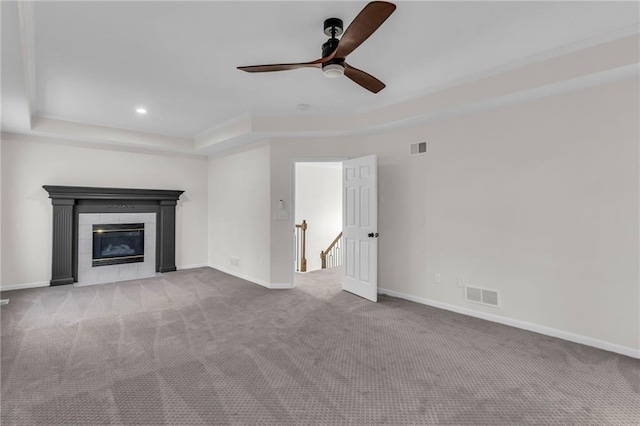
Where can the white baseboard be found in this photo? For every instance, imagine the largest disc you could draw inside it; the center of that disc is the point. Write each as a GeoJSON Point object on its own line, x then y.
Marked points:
{"type": "Point", "coordinates": [273, 286]}
{"type": "Point", "coordinates": [281, 286]}
{"type": "Point", "coordinates": [46, 283]}
{"type": "Point", "coordinates": [197, 265]}
{"type": "Point", "coordinates": [24, 285]}
{"type": "Point", "coordinates": [547, 331]}
{"type": "Point", "coordinates": [239, 275]}
{"type": "Point", "coordinates": [194, 266]}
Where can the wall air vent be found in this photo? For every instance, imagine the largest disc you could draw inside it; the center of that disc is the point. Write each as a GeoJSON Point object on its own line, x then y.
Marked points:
{"type": "Point", "coordinates": [418, 148]}
{"type": "Point", "coordinates": [483, 296]}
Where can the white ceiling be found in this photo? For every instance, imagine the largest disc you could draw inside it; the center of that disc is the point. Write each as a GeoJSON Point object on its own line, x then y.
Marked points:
{"type": "Point", "coordinates": [95, 62]}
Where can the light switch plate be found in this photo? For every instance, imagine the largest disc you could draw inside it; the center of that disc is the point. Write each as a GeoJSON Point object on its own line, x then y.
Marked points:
{"type": "Point", "coordinates": [282, 216]}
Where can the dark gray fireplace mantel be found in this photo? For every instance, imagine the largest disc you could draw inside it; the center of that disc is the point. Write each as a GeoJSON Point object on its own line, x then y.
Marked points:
{"type": "Point", "coordinates": [70, 201]}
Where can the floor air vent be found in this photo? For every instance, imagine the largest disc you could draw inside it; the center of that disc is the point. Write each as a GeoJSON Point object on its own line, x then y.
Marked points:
{"type": "Point", "coordinates": [482, 296]}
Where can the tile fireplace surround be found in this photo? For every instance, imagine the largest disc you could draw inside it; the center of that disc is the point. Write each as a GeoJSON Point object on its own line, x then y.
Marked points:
{"type": "Point", "coordinates": [88, 274]}
{"type": "Point", "coordinates": [76, 207]}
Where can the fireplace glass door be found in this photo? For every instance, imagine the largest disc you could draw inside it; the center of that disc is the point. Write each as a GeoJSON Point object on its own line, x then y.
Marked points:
{"type": "Point", "coordinates": [118, 243]}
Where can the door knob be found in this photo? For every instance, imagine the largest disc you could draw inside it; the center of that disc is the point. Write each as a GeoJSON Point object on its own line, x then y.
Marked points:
{"type": "Point", "coordinates": [372, 235]}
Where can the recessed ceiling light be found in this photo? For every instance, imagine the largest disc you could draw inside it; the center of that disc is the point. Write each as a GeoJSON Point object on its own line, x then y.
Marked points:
{"type": "Point", "coordinates": [141, 110]}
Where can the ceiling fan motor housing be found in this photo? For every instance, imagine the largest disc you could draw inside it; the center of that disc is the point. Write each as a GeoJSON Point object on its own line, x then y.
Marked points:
{"type": "Point", "coordinates": [329, 46]}
{"type": "Point", "coordinates": [335, 66]}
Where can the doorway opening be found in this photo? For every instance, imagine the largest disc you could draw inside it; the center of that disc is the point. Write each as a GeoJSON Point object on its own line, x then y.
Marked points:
{"type": "Point", "coordinates": [318, 217]}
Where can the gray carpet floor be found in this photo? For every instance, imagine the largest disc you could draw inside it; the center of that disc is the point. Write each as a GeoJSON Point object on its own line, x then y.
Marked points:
{"type": "Point", "coordinates": [202, 347]}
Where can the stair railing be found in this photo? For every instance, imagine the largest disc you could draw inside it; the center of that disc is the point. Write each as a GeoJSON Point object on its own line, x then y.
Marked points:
{"type": "Point", "coordinates": [332, 256]}
{"type": "Point", "coordinates": [301, 249]}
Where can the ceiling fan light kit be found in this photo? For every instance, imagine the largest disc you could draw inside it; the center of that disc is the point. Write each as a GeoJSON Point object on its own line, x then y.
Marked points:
{"type": "Point", "coordinates": [333, 70]}
{"type": "Point", "coordinates": [335, 51]}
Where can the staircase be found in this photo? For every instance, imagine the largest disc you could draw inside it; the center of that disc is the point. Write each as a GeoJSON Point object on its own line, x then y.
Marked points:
{"type": "Point", "coordinates": [332, 256]}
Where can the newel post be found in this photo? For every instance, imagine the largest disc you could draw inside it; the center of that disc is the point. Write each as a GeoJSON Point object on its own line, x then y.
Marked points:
{"type": "Point", "coordinates": [303, 260]}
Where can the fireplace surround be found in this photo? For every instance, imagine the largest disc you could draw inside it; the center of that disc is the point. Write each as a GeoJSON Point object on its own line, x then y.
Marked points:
{"type": "Point", "coordinates": [71, 201]}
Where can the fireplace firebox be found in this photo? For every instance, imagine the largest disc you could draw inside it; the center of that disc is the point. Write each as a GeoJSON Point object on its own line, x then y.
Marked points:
{"type": "Point", "coordinates": [118, 243]}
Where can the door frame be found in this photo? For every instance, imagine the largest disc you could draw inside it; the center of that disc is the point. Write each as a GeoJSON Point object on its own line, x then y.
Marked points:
{"type": "Point", "coordinates": [292, 208]}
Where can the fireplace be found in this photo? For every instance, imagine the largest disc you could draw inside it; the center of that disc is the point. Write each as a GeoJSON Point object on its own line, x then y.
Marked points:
{"type": "Point", "coordinates": [76, 209]}
{"type": "Point", "coordinates": [118, 243]}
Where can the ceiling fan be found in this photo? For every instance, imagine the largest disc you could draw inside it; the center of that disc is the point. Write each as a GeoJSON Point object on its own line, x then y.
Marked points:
{"type": "Point", "coordinates": [334, 51]}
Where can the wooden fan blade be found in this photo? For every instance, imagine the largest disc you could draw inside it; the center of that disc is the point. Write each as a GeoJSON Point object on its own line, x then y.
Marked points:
{"type": "Point", "coordinates": [365, 80]}
{"type": "Point", "coordinates": [281, 67]}
{"type": "Point", "coordinates": [366, 23]}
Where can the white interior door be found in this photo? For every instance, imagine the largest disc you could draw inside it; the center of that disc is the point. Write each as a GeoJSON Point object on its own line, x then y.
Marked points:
{"type": "Point", "coordinates": [360, 226]}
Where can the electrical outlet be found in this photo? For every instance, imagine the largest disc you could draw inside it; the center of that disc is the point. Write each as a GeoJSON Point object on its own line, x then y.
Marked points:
{"type": "Point", "coordinates": [461, 282]}
{"type": "Point", "coordinates": [437, 278]}
{"type": "Point", "coordinates": [234, 261]}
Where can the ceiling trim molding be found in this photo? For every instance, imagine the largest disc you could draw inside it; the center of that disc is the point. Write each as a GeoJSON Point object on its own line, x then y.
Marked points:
{"type": "Point", "coordinates": [48, 139]}
{"type": "Point", "coordinates": [90, 133]}
{"type": "Point", "coordinates": [529, 95]}
{"type": "Point", "coordinates": [247, 129]}
{"type": "Point", "coordinates": [620, 33]}
{"type": "Point", "coordinates": [39, 115]}
{"type": "Point", "coordinates": [27, 38]}
{"type": "Point", "coordinates": [597, 65]}
{"type": "Point", "coordinates": [228, 129]}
